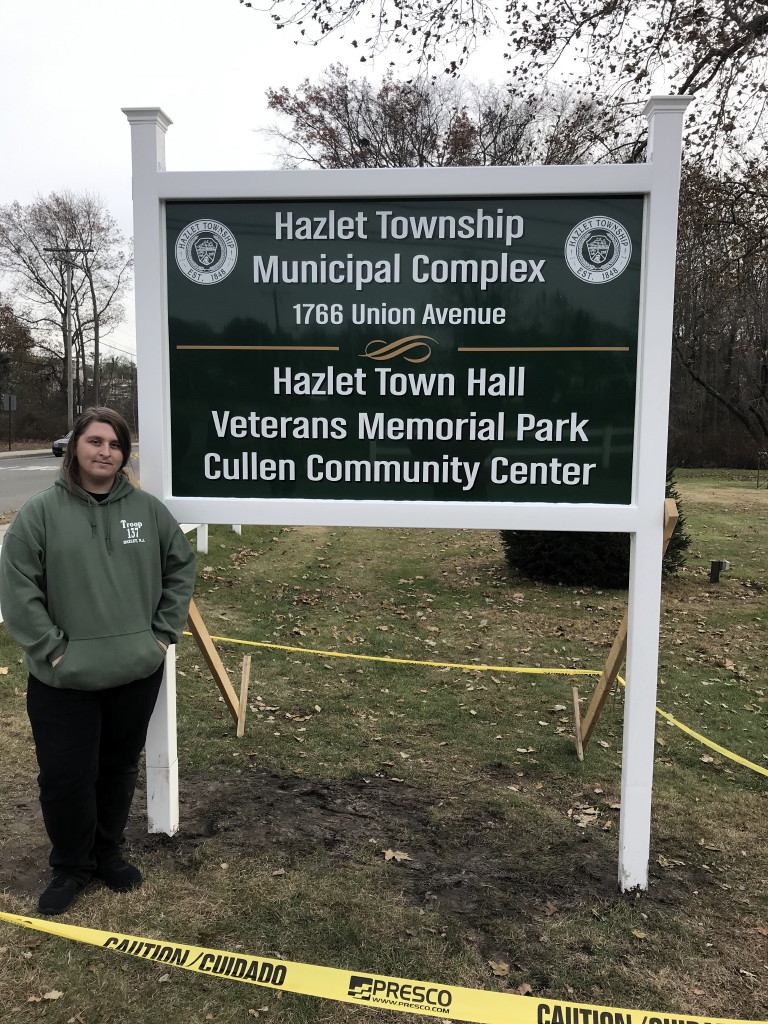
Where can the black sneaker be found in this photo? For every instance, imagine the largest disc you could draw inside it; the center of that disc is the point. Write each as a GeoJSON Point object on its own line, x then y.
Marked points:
{"type": "Point", "coordinates": [118, 875]}
{"type": "Point", "coordinates": [60, 894]}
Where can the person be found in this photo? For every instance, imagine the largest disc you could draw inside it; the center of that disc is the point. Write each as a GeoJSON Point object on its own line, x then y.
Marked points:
{"type": "Point", "coordinates": [95, 583]}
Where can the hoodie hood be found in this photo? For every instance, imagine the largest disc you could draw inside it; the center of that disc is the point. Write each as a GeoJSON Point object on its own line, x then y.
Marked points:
{"type": "Point", "coordinates": [121, 488]}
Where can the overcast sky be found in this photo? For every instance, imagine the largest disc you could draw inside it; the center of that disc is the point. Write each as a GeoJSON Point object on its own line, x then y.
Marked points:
{"type": "Point", "coordinates": [68, 68]}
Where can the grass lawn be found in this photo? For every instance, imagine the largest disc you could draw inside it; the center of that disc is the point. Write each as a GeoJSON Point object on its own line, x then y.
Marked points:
{"type": "Point", "coordinates": [508, 882]}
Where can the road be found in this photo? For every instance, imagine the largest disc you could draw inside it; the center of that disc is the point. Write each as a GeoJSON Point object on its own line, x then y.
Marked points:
{"type": "Point", "coordinates": [20, 478]}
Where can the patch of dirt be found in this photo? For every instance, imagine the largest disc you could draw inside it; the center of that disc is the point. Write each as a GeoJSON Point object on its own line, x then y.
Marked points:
{"type": "Point", "coordinates": [478, 866]}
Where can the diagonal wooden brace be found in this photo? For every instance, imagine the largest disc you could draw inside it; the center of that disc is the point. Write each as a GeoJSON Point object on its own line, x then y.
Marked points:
{"type": "Point", "coordinates": [200, 632]}
{"type": "Point", "coordinates": [619, 649]}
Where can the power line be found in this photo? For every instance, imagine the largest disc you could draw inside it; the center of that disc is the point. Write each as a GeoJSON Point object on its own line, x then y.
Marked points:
{"type": "Point", "coordinates": [116, 348]}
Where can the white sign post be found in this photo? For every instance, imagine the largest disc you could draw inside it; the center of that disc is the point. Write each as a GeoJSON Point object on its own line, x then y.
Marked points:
{"type": "Point", "coordinates": [655, 184]}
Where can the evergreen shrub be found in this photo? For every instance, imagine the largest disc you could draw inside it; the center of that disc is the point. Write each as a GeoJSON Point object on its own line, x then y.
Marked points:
{"type": "Point", "coordinates": [587, 559]}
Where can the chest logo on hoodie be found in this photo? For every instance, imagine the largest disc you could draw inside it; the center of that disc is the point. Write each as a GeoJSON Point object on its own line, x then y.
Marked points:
{"type": "Point", "coordinates": [132, 532]}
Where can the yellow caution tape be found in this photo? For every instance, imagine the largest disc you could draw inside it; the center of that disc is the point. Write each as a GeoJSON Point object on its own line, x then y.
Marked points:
{"type": "Point", "coordinates": [408, 661]}
{"type": "Point", "coordinates": [495, 668]}
{"type": "Point", "coordinates": [430, 999]}
{"type": "Point", "coordinates": [712, 745]}
{"type": "Point", "coordinates": [707, 743]}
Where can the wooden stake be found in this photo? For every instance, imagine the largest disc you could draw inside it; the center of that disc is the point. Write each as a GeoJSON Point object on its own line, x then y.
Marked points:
{"type": "Point", "coordinates": [607, 679]}
{"type": "Point", "coordinates": [200, 632]}
{"type": "Point", "coordinates": [619, 649]}
{"type": "Point", "coordinates": [577, 723]}
{"type": "Point", "coordinates": [244, 680]}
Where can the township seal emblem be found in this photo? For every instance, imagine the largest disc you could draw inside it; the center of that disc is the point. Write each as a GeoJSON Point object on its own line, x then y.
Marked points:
{"type": "Point", "coordinates": [598, 250]}
{"type": "Point", "coordinates": [206, 251]}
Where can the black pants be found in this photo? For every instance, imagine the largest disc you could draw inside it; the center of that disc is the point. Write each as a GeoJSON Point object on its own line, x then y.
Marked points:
{"type": "Point", "coordinates": [88, 744]}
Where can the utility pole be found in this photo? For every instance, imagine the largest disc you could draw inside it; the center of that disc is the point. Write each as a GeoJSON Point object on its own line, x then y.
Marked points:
{"type": "Point", "coordinates": [65, 255]}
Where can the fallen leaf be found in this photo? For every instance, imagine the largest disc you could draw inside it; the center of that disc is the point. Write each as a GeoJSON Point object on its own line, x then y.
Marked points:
{"type": "Point", "coordinates": [280, 871]}
{"type": "Point", "coordinates": [4, 671]}
{"type": "Point", "coordinates": [550, 908]}
{"type": "Point", "coordinates": [164, 977]}
{"type": "Point", "coordinates": [639, 935]}
{"type": "Point", "coordinates": [524, 989]}
{"type": "Point", "coordinates": [499, 968]}
{"type": "Point", "coordinates": [583, 816]}
{"type": "Point", "coordinates": [53, 994]}
{"type": "Point", "coordinates": [395, 855]}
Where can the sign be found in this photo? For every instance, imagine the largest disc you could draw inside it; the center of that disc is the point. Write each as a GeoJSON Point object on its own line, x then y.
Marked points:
{"type": "Point", "coordinates": [405, 349]}
{"type": "Point", "coordinates": [459, 348]}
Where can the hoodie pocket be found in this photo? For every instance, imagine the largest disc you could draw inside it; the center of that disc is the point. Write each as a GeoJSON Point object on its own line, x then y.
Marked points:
{"type": "Point", "coordinates": [99, 663]}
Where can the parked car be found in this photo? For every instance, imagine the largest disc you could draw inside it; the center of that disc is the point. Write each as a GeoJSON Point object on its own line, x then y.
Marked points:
{"type": "Point", "coordinates": [60, 444]}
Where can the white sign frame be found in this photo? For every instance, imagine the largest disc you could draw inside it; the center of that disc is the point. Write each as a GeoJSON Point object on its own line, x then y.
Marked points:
{"type": "Point", "coordinates": [658, 181]}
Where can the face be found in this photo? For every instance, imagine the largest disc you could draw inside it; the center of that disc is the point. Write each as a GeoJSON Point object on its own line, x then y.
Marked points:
{"type": "Point", "coordinates": [99, 457]}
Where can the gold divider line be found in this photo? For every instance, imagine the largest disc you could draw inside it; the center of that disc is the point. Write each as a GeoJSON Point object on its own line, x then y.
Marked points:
{"type": "Point", "coordinates": [536, 348]}
{"type": "Point", "coordinates": [337, 348]}
{"type": "Point", "coordinates": [264, 348]}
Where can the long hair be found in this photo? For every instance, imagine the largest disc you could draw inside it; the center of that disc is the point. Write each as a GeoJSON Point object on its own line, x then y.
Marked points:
{"type": "Point", "coordinates": [99, 414]}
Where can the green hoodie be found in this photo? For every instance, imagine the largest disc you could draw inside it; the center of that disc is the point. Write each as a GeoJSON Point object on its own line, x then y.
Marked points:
{"type": "Point", "coordinates": [100, 583]}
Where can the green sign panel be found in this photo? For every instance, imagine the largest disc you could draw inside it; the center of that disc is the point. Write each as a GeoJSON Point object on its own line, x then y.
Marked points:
{"type": "Point", "coordinates": [472, 349]}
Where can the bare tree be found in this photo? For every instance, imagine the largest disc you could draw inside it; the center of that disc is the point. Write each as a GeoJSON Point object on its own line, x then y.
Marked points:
{"type": "Point", "coordinates": [341, 121]}
{"type": "Point", "coordinates": [31, 376]}
{"type": "Point", "coordinates": [721, 315]}
{"type": "Point", "coordinates": [16, 341]}
{"type": "Point", "coordinates": [715, 49]}
{"type": "Point", "coordinates": [37, 244]}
